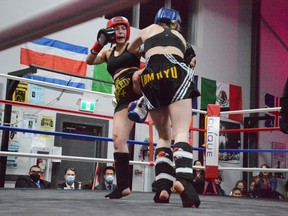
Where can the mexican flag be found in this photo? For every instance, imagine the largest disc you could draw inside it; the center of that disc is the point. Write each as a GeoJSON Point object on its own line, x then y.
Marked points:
{"type": "Point", "coordinates": [228, 96]}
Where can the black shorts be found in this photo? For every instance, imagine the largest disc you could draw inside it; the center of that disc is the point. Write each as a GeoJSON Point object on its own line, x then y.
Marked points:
{"type": "Point", "coordinates": [167, 79]}
{"type": "Point", "coordinates": [124, 93]}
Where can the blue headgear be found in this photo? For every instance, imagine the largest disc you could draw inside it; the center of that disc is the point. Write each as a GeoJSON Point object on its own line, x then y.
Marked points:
{"type": "Point", "coordinates": [167, 15]}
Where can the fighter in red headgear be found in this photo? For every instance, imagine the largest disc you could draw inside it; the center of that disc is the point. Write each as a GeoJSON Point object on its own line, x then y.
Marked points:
{"type": "Point", "coordinates": [122, 66]}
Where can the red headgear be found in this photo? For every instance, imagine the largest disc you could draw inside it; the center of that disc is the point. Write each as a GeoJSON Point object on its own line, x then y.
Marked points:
{"type": "Point", "coordinates": [120, 20]}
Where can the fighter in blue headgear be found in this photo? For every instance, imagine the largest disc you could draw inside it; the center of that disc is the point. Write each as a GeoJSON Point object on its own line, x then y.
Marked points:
{"type": "Point", "coordinates": [167, 15]}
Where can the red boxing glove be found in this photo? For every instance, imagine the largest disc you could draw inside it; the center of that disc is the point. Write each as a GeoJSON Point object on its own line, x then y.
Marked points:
{"type": "Point", "coordinates": [96, 48]}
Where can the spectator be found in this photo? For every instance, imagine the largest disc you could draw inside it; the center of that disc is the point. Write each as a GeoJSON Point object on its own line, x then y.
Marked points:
{"type": "Point", "coordinates": [220, 191]}
{"type": "Point", "coordinates": [242, 186]}
{"type": "Point", "coordinates": [32, 180]}
{"type": "Point", "coordinates": [252, 192]}
{"type": "Point", "coordinates": [107, 184]}
{"type": "Point", "coordinates": [198, 178]}
{"type": "Point", "coordinates": [267, 185]}
{"type": "Point", "coordinates": [70, 183]}
{"type": "Point", "coordinates": [236, 192]}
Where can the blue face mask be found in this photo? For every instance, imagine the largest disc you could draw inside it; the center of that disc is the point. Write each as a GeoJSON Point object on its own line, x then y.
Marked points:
{"type": "Point", "coordinates": [70, 179]}
{"type": "Point", "coordinates": [109, 179]}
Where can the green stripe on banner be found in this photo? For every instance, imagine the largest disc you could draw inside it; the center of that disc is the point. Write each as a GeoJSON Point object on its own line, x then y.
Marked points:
{"type": "Point", "coordinates": [208, 92]}
{"type": "Point", "coordinates": [101, 73]}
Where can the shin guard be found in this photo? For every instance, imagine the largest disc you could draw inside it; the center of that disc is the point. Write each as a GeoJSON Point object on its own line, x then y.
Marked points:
{"type": "Point", "coordinates": [183, 163]}
{"type": "Point", "coordinates": [122, 175]}
{"type": "Point", "coordinates": [164, 173]}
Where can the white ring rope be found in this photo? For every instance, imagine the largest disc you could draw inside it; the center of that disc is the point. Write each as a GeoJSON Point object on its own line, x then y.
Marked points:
{"type": "Point", "coordinates": [246, 169]}
{"type": "Point", "coordinates": [103, 160]}
{"type": "Point", "coordinates": [68, 158]}
{"type": "Point", "coordinates": [265, 110]}
{"type": "Point", "coordinates": [37, 82]}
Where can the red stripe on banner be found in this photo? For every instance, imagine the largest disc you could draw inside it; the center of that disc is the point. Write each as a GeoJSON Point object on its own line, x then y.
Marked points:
{"type": "Point", "coordinates": [28, 57]}
{"type": "Point", "coordinates": [235, 102]}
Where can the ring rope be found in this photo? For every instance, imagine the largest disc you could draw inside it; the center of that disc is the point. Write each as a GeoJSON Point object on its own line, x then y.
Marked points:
{"type": "Point", "coordinates": [69, 158]}
{"type": "Point", "coordinates": [103, 160]}
{"type": "Point", "coordinates": [70, 135]}
{"type": "Point", "coordinates": [16, 103]}
{"type": "Point", "coordinates": [57, 86]}
{"type": "Point", "coordinates": [265, 110]}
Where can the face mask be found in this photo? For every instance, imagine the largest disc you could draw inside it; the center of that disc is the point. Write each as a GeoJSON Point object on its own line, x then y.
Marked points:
{"type": "Point", "coordinates": [109, 179]}
{"type": "Point", "coordinates": [35, 177]}
{"type": "Point", "coordinates": [70, 179]}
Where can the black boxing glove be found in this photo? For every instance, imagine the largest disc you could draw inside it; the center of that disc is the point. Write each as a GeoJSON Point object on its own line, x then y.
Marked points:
{"type": "Point", "coordinates": [189, 53]}
{"type": "Point", "coordinates": [104, 36]}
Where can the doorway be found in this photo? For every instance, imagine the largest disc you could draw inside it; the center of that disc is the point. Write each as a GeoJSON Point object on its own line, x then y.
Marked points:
{"type": "Point", "coordinates": [79, 147]}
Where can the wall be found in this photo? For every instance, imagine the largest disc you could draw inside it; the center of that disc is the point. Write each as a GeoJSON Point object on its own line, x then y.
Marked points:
{"type": "Point", "coordinates": [223, 54]}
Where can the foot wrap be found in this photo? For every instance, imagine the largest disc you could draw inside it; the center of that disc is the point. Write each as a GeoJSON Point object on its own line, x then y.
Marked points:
{"type": "Point", "coordinates": [189, 196]}
{"type": "Point", "coordinates": [116, 194]}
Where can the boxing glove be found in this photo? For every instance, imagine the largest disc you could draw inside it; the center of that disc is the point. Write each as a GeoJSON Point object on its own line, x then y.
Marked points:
{"type": "Point", "coordinates": [137, 110]}
{"type": "Point", "coordinates": [104, 36]}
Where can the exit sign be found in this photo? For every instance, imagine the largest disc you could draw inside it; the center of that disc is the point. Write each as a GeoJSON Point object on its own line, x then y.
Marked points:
{"type": "Point", "coordinates": [87, 106]}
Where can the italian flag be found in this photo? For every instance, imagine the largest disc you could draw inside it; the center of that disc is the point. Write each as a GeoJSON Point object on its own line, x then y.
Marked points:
{"type": "Point", "coordinates": [228, 96]}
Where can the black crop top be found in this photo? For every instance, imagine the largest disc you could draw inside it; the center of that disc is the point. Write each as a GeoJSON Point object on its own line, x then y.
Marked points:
{"type": "Point", "coordinates": [125, 60]}
{"type": "Point", "coordinates": [165, 38]}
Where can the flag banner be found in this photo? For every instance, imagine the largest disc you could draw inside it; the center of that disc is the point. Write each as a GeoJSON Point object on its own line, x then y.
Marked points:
{"type": "Point", "coordinates": [272, 117]}
{"type": "Point", "coordinates": [101, 73]}
{"type": "Point", "coordinates": [227, 96]}
{"type": "Point", "coordinates": [56, 55]}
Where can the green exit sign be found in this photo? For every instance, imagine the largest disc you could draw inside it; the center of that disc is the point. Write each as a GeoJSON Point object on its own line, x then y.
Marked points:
{"type": "Point", "coordinates": [87, 106]}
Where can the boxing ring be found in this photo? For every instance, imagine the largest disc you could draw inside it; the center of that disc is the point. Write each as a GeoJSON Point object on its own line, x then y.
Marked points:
{"type": "Point", "coordinates": [82, 202]}
{"type": "Point", "coordinates": [66, 202]}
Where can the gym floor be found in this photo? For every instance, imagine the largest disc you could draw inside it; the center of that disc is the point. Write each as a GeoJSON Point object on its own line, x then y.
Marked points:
{"type": "Point", "coordinates": [83, 202]}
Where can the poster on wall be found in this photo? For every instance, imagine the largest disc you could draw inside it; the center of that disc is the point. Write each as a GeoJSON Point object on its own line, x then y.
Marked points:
{"type": "Point", "coordinates": [279, 158]}
{"type": "Point", "coordinates": [13, 146]}
{"type": "Point", "coordinates": [229, 141]}
{"type": "Point", "coordinates": [29, 122]}
{"type": "Point", "coordinates": [47, 124]}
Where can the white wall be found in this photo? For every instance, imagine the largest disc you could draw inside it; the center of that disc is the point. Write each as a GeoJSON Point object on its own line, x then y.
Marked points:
{"type": "Point", "coordinates": [223, 54]}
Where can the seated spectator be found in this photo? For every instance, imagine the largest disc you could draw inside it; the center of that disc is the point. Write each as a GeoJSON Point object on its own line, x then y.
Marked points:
{"type": "Point", "coordinates": [236, 192]}
{"type": "Point", "coordinates": [220, 191]}
{"type": "Point", "coordinates": [242, 186]}
{"type": "Point", "coordinates": [253, 192]}
{"type": "Point", "coordinates": [267, 185]}
{"type": "Point", "coordinates": [70, 183]}
{"type": "Point", "coordinates": [198, 178]}
{"type": "Point", "coordinates": [107, 184]}
{"type": "Point", "coordinates": [32, 180]}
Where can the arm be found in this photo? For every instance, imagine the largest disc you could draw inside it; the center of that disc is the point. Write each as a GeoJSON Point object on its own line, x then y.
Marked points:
{"type": "Point", "coordinates": [135, 45]}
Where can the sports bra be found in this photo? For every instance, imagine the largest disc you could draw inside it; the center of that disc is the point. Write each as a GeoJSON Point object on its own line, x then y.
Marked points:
{"type": "Point", "coordinates": [117, 63]}
{"type": "Point", "coordinates": [165, 38]}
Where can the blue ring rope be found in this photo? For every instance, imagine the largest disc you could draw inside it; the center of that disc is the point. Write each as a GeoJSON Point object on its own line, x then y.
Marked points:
{"type": "Point", "coordinates": [89, 137]}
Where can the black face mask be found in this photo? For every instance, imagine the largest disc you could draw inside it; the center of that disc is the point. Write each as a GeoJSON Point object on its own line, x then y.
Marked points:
{"type": "Point", "coordinates": [35, 177]}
